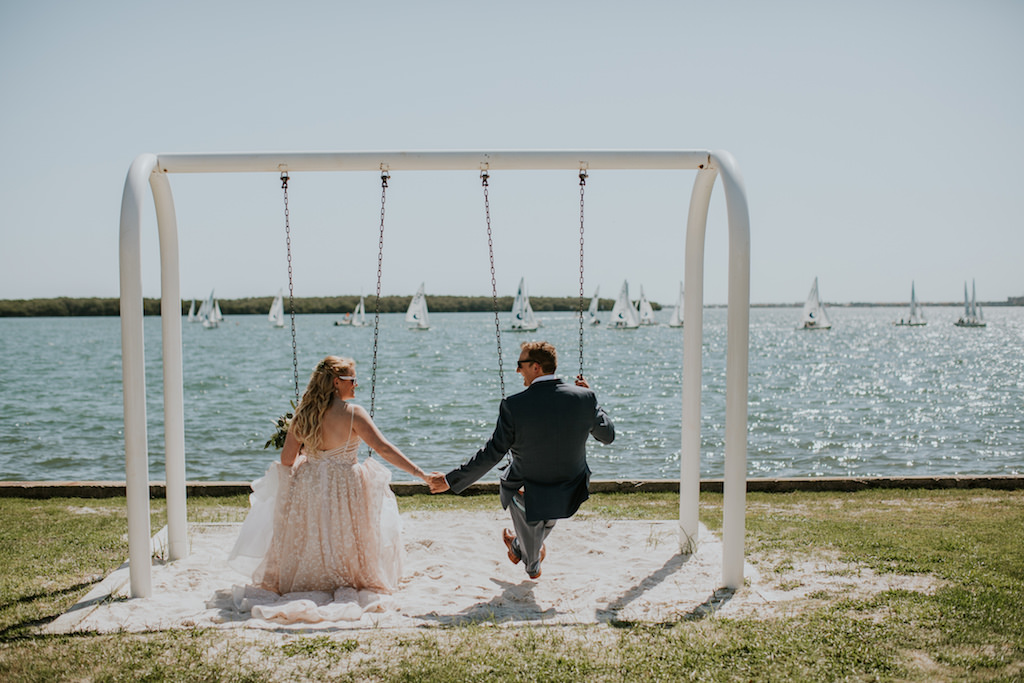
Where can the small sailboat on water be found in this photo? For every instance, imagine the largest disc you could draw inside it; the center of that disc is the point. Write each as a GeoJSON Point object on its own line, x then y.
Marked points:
{"type": "Point", "coordinates": [915, 318]}
{"type": "Point", "coordinates": [192, 312]}
{"type": "Point", "coordinates": [592, 310]}
{"type": "Point", "coordinates": [276, 314]}
{"type": "Point", "coordinates": [624, 315]}
{"type": "Point", "coordinates": [523, 319]}
{"type": "Point", "coordinates": [359, 315]}
{"type": "Point", "coordinates": [356, 318]}
{"type": "Point", "coordinates": [972, 316]}
{"type": "Point", "coordinates": [644, 309]}
{"type": "Point", "coordinates": [417, 315]}
{"type": "Point", "coordinates": [677, 313]}
{"type": "Point", "coordinates": [209, 312]}
{"type": "Point", "coordinates": [815, 317]}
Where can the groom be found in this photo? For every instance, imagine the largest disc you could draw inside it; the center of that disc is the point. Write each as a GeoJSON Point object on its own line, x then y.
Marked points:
{"type": "Point", "coordinates": [545, 428]}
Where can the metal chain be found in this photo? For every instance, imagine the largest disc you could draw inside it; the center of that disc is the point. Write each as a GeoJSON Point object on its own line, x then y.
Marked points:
{"type": "Point", "coordinates": [583, 183]}
{"type": "Point", "coordinates": [376, 314]}
{"type": "Point", "coordinates": [494, 283]}
{"type": "Point", "coordinates": [291, 284]}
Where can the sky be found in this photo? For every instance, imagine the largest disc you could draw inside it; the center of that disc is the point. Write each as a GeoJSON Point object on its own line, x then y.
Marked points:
{"type": "Point", "coordinates": [880, 143]}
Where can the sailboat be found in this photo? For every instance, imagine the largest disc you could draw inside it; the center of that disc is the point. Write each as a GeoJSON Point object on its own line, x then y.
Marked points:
{"type": "Point", "coordinates": [624, 316]}
{"type": "Point", "coordinates": [417, 316]}
{"type": "Point", "coordinates": [523, 319]}
{"type": "Point", "coordinates": [276, 314]}
{"type": "Point", "coordinates": [644, 309]}
{"type": "Point", "coordinates": [916, 316]}
{"type": "Point", "coordinates": [356, 318]}
{"type": "Point", "coordinates": [677, 313]}
{"type": "Point", "coordinates": [359, 315]}
{"type": "Point", "coordinates": [192, 312]}
{"type": "Point", "coordinates": [815, 317]}
{"type": "Point", "coordinates": [592, 310]}
{"type": "Point", "coordinates": [209, 312]}
{"type": "Point", "coordinates": [972, 316]}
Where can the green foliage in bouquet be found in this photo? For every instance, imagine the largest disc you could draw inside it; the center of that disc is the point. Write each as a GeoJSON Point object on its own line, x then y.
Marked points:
{"type": "Point", "coordinates": [282, 423]}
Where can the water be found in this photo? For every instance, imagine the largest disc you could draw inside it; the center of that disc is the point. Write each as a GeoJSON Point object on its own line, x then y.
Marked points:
{"type": "Point", "coordinates": [863, 399]}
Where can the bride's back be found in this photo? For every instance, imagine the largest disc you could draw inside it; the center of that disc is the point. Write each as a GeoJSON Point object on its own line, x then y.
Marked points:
{"type": "Point", "coordinates": [336, 429]}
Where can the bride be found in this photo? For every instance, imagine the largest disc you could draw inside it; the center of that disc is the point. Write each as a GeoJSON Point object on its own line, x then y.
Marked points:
{"type": "Point", "coordinates": [334, 520]}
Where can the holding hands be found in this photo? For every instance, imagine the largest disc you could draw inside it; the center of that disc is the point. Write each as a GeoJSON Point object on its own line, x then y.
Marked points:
{"type": "Point", "coordinates": [437, 482]}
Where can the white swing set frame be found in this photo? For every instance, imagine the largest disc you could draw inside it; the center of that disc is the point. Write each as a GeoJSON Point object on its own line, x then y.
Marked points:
{"type": "Point", "coordinates": [154, 170]}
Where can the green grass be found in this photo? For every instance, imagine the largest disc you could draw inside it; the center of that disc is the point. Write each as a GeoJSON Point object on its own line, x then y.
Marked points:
{"type": "Point", "coordinates": [969, 628]}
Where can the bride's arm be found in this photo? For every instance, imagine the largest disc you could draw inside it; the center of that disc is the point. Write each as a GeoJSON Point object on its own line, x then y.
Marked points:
{"type": "Point", "coordinates": [290, 450]}
{"type": "Point", "coordinates": [368, 432]}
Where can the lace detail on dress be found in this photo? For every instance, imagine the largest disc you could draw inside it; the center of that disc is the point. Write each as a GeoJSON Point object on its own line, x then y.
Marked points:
{"type": "Point", "coordinates": [335, 525]}
{"type": "Point", "coordinates": [347, 453]}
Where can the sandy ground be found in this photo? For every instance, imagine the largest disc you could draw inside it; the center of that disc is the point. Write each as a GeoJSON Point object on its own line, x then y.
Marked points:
{"type": "Point", "coordinates": [457, 571]}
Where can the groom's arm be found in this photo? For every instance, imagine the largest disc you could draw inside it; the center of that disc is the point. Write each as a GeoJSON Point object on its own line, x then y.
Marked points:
{"type": "Point", "coordinates": [487, 457]}
{"type": "Point", "coordinates": [603, 428]}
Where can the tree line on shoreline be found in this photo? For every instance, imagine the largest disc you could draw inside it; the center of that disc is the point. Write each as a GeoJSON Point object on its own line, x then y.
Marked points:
{"type": "Point", "coordinates": [259, 305]}
{"type": "Point", "coordinates": [60, 307]}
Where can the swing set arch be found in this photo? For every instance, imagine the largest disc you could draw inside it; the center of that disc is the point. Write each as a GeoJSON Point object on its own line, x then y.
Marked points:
{"type": "Point", "coordinates": [154, 169]}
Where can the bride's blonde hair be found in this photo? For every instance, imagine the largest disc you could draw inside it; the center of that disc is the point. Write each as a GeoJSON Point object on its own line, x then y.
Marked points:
{"type": "Point", "coordinates": [309, 416]}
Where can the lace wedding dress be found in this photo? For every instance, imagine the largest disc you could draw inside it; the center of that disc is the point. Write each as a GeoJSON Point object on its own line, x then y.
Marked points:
{"type": "Point", "coordinates": [322, 539]}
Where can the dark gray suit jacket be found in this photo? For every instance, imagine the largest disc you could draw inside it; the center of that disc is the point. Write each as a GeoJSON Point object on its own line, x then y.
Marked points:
{"type": "Point", "coordinates": [545, 428]}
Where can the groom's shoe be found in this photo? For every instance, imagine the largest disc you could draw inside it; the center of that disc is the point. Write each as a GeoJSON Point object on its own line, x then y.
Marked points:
{"type": "Point", "coordinates": [513, 553]}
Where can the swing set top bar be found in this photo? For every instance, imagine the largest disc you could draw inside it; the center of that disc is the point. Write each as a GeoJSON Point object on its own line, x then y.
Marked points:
{"type": "Point", "coordinates": [436, 161]}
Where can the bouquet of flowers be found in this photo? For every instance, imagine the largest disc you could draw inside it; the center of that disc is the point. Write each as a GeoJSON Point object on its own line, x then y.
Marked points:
{"type": "Point", "coordinates": [282, 424]}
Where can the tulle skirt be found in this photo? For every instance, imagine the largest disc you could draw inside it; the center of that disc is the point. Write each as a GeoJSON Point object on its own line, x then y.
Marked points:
{"type": "Point", "coordinates": [324, 524]}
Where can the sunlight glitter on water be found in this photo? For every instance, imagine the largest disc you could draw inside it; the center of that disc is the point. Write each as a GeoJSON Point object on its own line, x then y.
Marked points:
{"type": "Point", "coordinates": [865, 398]}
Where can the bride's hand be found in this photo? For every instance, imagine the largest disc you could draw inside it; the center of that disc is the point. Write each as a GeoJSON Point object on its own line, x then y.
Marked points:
{"type": "Point", "coordinates": [437, 482]}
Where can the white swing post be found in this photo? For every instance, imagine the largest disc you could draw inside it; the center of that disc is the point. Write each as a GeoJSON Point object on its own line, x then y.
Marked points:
{"type": "Point", "coordinates": [154, 170]}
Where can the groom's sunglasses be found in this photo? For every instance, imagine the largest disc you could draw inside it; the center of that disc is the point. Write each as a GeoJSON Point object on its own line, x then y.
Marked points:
{"type": "Point", "coordinates": [519, 363]}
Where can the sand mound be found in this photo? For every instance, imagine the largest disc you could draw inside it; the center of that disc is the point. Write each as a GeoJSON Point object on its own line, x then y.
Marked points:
{"type": "Point", "coordinates": [456, 571]}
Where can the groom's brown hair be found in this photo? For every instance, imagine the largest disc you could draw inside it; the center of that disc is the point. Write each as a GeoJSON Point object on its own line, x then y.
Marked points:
{"type": "Point", "coordinates": [542, 352]}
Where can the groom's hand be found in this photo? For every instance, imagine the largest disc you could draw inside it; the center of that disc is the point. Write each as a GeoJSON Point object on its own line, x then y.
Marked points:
{"type": "Point", "coordinates": [437, 482]}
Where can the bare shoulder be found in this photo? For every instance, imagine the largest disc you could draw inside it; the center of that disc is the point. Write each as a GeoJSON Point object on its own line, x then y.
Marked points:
{"type": "Point", "coordinates": [359, 412]}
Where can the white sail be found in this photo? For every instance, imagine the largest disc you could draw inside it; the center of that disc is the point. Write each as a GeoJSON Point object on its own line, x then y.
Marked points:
{"type": "Point", "coordinates": [210, 312]}
{"type": "Point", "coordinates": [915, 317]}
{"type": "Point", "coordinates": [677, 313]}
{"type": "Point", "coordinates": [644, 310]}
{"type": "Point", "coordinates": [523, 319]}
{"type": "Point", "coordinates": [972, 316]}
{"type": "Point", "coordinates": [592, 310]}
{"type": "Point", "coordinates": [976, 306]}
{"type": "Point", "coordinates": [192, 312]}
{"type": "Point", "coordinates": [815, 317]}
{"type": "Point", "coordinates": [276, 314]}
{"type": "Point", "coordinates": [417, 315]}
{"type": "Point", "coordinates": [359, 315]}
{"type": "Point", "coordinates": [624, 316]}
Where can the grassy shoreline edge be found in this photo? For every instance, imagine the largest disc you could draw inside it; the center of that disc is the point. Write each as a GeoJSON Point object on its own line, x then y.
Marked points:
{"type": "Point", "coordinates": [158, 489]}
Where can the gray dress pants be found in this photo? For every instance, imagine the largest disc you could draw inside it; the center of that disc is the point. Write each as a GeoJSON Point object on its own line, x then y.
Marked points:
{"type": "Point", "coordinates": [529, 535]}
